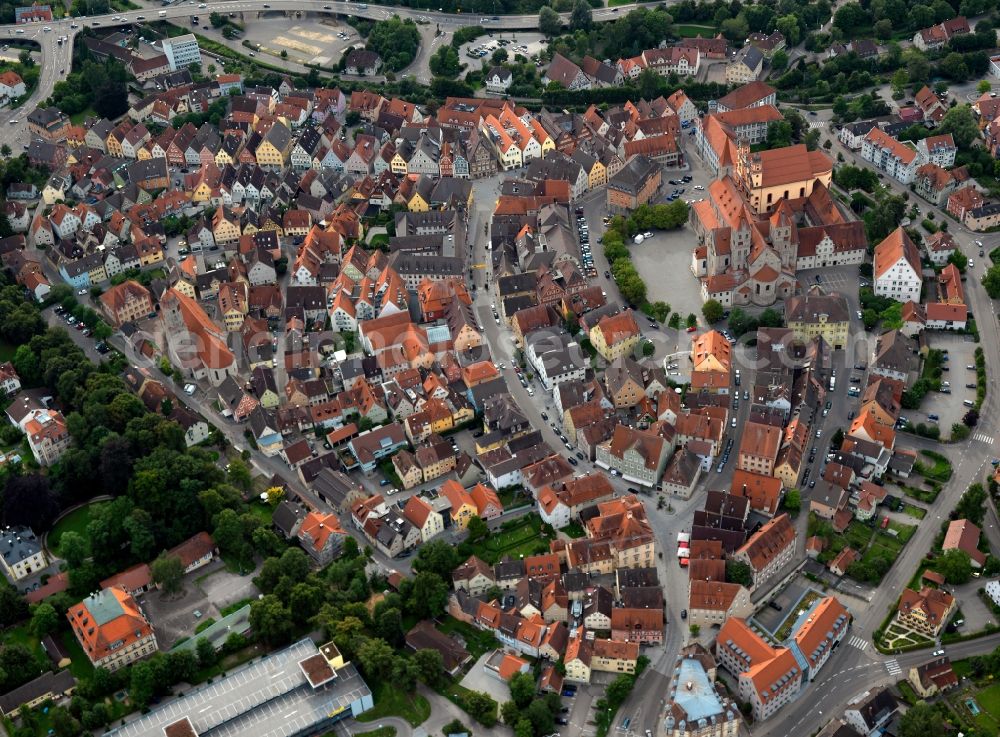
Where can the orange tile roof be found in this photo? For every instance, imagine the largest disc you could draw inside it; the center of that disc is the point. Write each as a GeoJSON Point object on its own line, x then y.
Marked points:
{"type": "Point", "coordinates": [320, 527]}
{"type": "Point", "coordinates": [769, 541]}
{"type": "Point", "coordinates": [760, 440]}
{"type": "Point", "coordinates": [880, 138]}
{"type": "Point", "coordinates": [715, 596]}
{"type": "Point", "coordinates": [791, 164]}
{"type": "Point", "coordinates": [935, 603]}
{"type": "Point", "coordinates": [618, 328]}
{"type": "Point", "coordinates": [764, 492]}
{"type": "Point", "coordinates": [457, 496]}
{"type": "Point", "coordinates": [895, 246]}
{"type": "Point", "coordinates": [417, 511]}
{"type": "Point", "coordinates": [814, 635]}
{"type": "Point", "coordinates": [616, 649]}
{"type": "Point", "coordinates": [108, 621]}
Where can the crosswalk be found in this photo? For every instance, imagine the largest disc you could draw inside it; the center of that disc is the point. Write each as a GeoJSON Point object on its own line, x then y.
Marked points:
{"type": "Point", "coordinates": [859, 642]}
{"type": "Point", "coordinates": [983, 438]}
{"type": "Point", "coordinates": [893, 667]}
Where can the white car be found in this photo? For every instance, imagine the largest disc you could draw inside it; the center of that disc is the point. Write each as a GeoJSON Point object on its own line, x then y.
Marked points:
{"type": "Point", "coordinates": [699, 187]}
{"type": "Point", "coordinates": [190, 389]}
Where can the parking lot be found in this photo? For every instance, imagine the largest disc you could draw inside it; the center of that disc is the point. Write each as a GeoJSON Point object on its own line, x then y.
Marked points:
{"type": "Point", "coordinates": [321, 43]}
{"type": "Point", "coordinates": [482, 48]}
{"type": "Point", "coordinates": [949, 408]}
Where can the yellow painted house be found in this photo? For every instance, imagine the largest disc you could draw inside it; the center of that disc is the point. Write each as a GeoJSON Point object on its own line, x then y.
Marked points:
{"type": "Point", "coordinates": [143, 153]}
{"type": "Point", "coordinates": [225, 226]}
{"type": "Point", "coordinates": [462, 507]}
{"type": "Point", "coordinates": [97, 274]}
{"type": "Point", "coordinates": [276, 147]}
{"type": "Point", "coordinates": [150, 252]}
{"type": "Point", "coordinates": [222, 158]}
{"type": "Point", "coordinates": [202, 192]}
{"type": "Point", "coordinates": [417, 203]}
{"type": "Point", "coordinates": [398, 164]}
{"type": "Point", "coordinates": [614, 337]}
{"type": "Point", "coordinates": [598, 176]}
{"type": "Point", "coordinates": [113, 145]}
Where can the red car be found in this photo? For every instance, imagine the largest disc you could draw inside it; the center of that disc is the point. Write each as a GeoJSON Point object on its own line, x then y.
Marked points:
{"type": "Point", "coordinates": [692, 328]}
{"type": "Point", "coordinates": [80, 326]}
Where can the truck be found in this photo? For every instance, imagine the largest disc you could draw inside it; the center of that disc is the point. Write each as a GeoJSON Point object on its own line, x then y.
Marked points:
{"type": "Point", "coordinates": [683, 537]}
{"type": "Point", "coordinates": [162, 13]}
{"type": "Point", "coordinates": [638, 239]}
{"type": "Point", "coordinates": [833, 383]}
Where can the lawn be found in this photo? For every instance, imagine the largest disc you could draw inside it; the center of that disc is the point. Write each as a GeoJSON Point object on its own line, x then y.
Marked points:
{"type": "Point", "coordinates": [522, 538]}
{"type": "Point", "coordinates": [914, 511]}
{"type": "Point", "coordinates": [392, 702]}
{"type": "Point", "coordinates": [77, 521]}
{"type": "Point", "coordinates": [477, 641]}
{"type": "Point", "coordinates": [79, 117]}
{"type": "Point", "coordinates": [989, 704]}
{"type": "Point", "coordinates": [574, 530]}
{"type": "Point", "coordinates": [690, 31]}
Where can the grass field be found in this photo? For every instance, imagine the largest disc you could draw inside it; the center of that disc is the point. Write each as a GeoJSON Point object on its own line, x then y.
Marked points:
{"type": "Point", "coordinates": [989, 705]}
{"type": "Point", "coordinates": [392, 702]}
{"type": "Point", "coordinates": [524, 538]}
{"type": "Point", "coordinates": [477, 641]}
{"type": "Point", "coordinates": [77, 521]}
{"type": "Point", "coordinates": [691, 31]}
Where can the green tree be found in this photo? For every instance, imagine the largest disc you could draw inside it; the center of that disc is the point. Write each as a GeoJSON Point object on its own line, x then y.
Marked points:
{"type": "Point", "coordinates": [695, 630]}
{"type": "Point", "coordinates": [991, 282]}
{"type": "Point", "coordinates": [426, 595]}
{"type": "Point", "coordinates": [899, 80]}
{"type": "Point", "coordinates": [779, 60]}
{"type": "Point", "coordinates": [983, 87]}
{"type": "Point", "coordinates": [476, 528]}
{"type": "Point", "coordinates": [437, 557]}
{"type": "Point", "coordinates": [510, 713]}
{"type": "Point", "coordinates": [270, 619]}
{"type": "Point", "coordinates": [445, 62]}
{"type": "Point", "coordinates": [735, 29]}
{"type": "Point", "coordinates": [481, 707]}
{"type": "Point", "coordinates": [523, 728]}
{"type": "Point", "coordinates": [779, 134]}
{"type": "Point", "coordinates": [921, 720]}
{"type": "Point", "coordinates": [582, 18]}
{"type": "Point", "coordinates": [395, 40]}
{"type": "Point", "coordinates": [454, 727]}
{"type": "Point", "coordinates": [960, 122]}
{"type": "Point", "coordinates": [73, 548]}
{"type": "Point", "coordinates": [792, 501]}
{"type": "Point", "coordinates": [44, 620]}
{"type": "Point", "coordinates": [522, 689]}
{"type": "Point", "coordinates": [712, 311]}
{"type": "Point", "coordinates": [541, 716]}
{"type": "Point", "coordinates": [430, 666]}
{"type": "Point", "coordinates": [738, 572]}
{"type": "Point", "coordinates": [376, 658]}
{"type": "Point", "coordinates": [789, 27]}
{"type": "Point", "coordinates": [549, 22]}
{"type": "Point", "coordinates": [955, 565]}
{"type": "Point", "coordinates": [205, 650]}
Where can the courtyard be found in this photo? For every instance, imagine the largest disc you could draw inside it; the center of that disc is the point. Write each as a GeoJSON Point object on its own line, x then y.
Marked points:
{"type": "Point", "coordinates": [206, 594]}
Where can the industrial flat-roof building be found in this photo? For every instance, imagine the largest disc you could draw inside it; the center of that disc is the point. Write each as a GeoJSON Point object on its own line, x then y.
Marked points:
{"type": "Point", "coordinates": [301, 690]}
